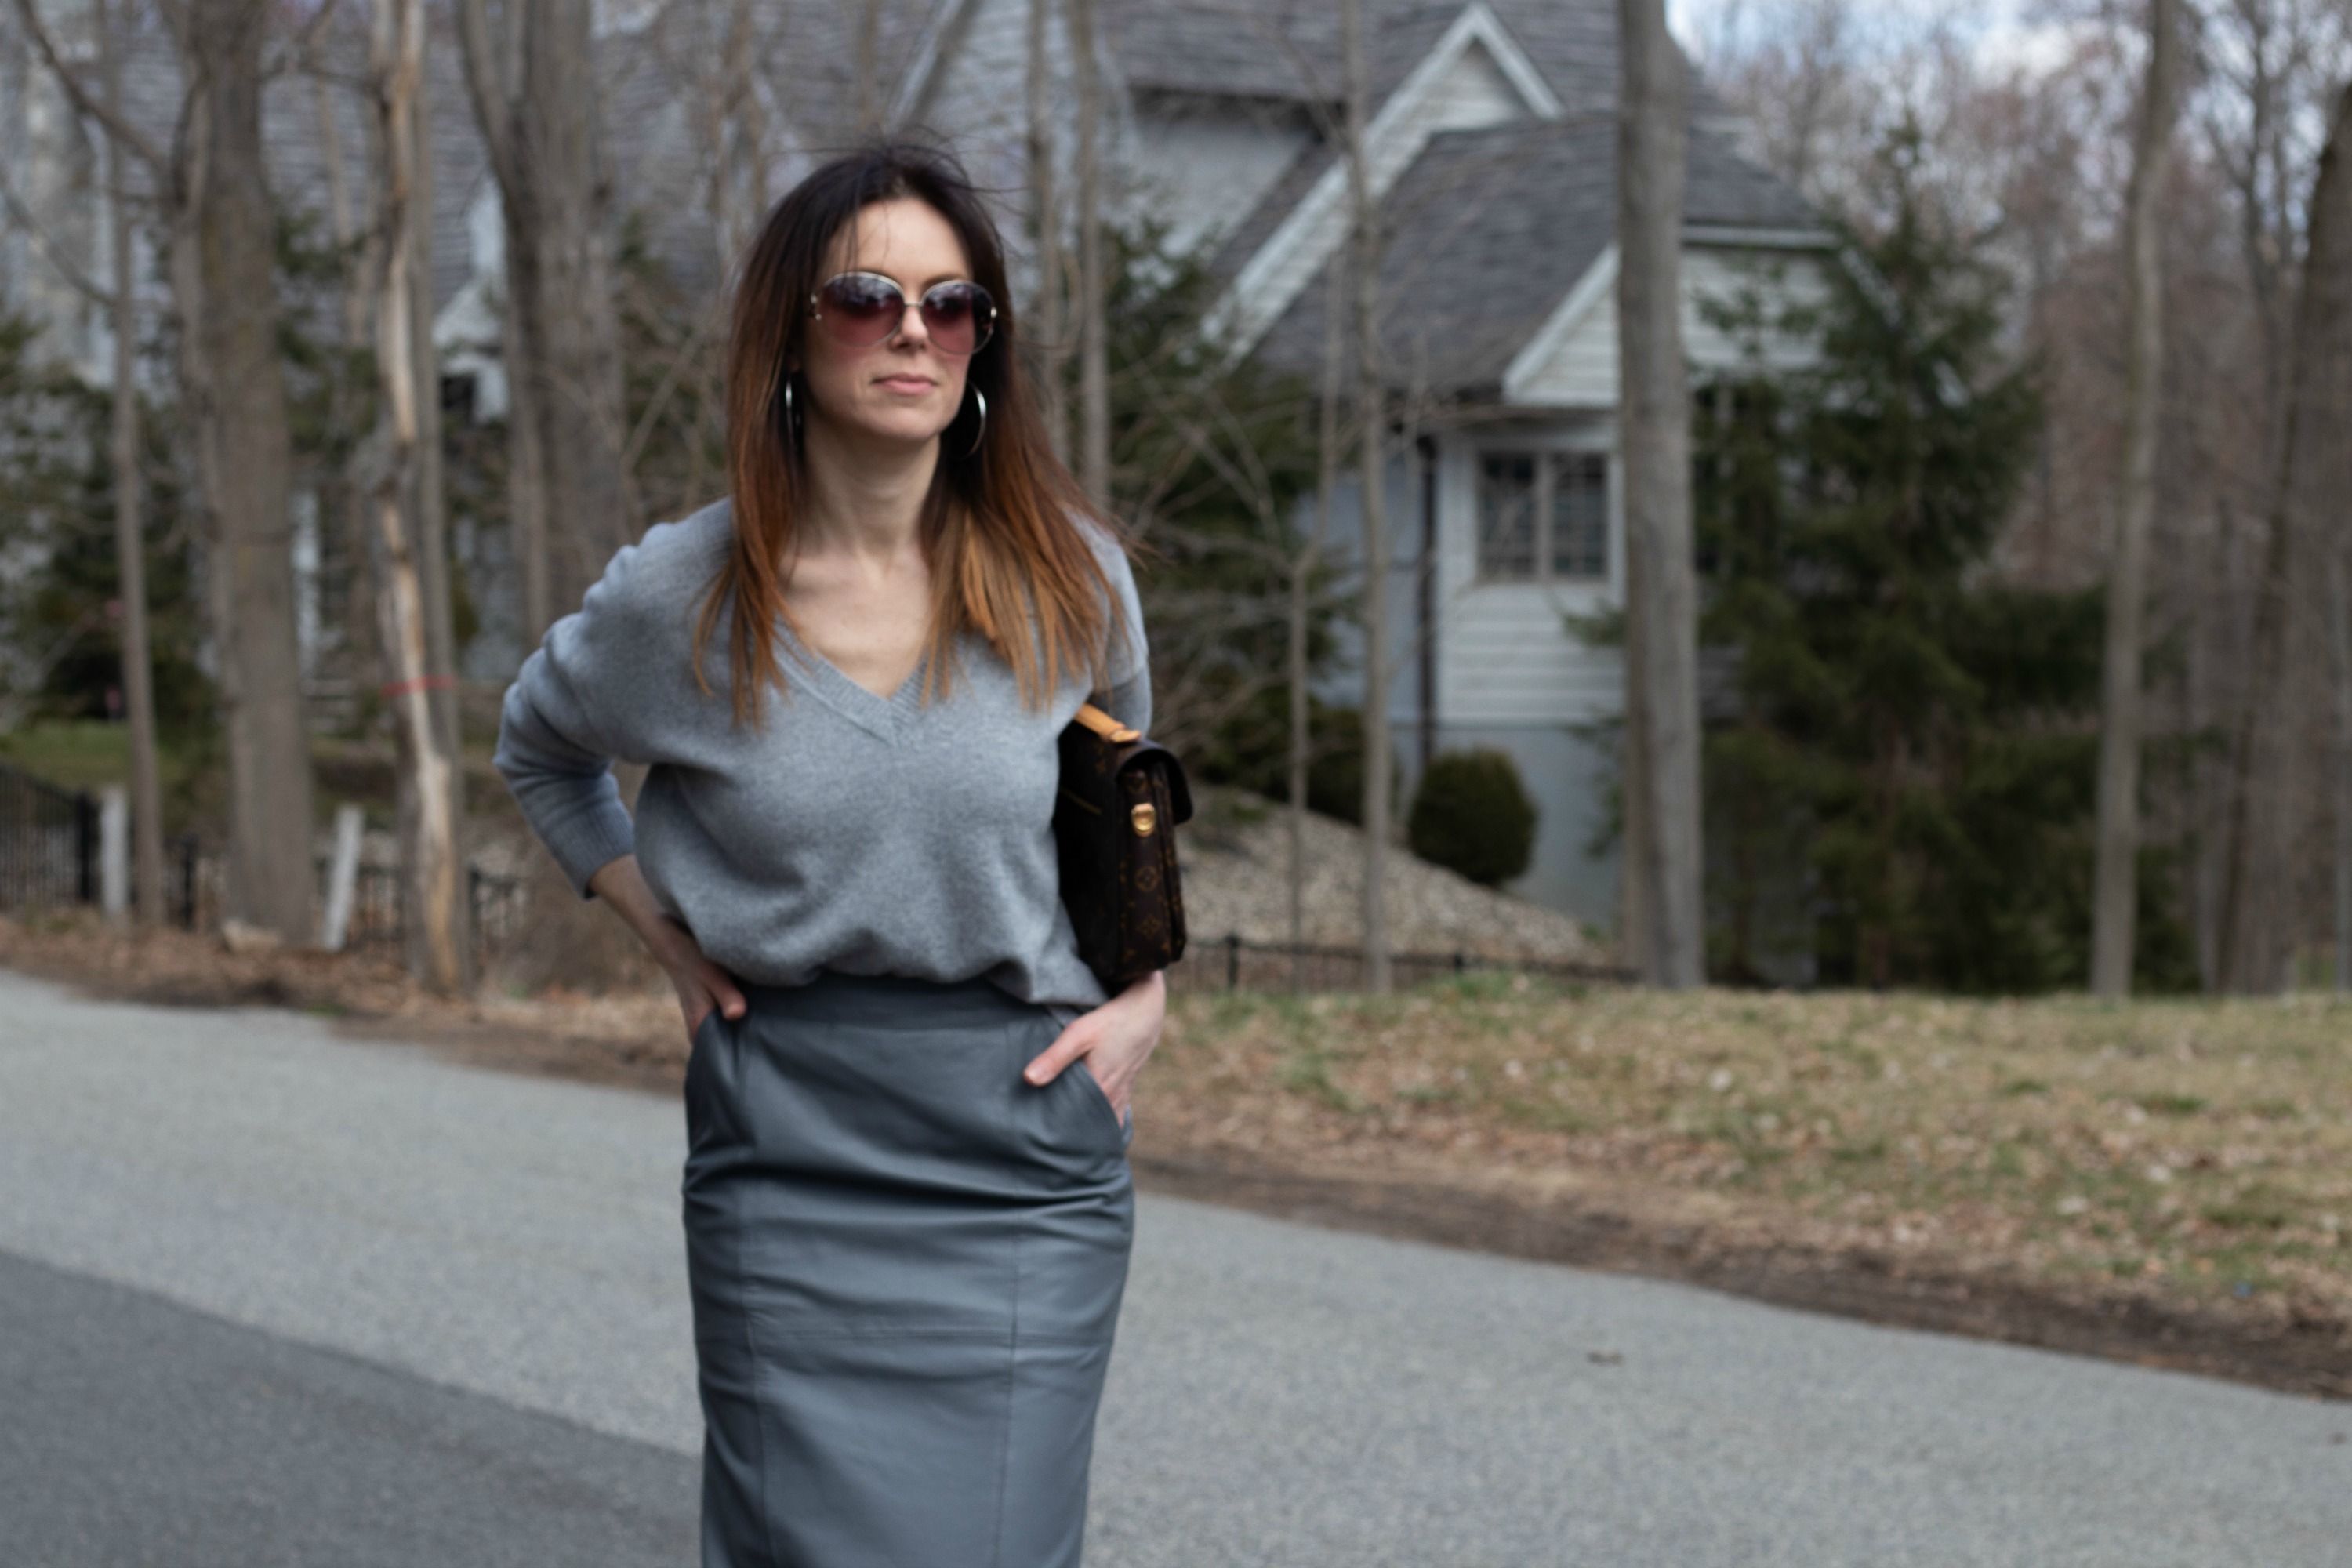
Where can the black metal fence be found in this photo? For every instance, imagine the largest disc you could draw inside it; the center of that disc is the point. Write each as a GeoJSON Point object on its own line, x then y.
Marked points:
{"type": "Point", "coordinates": [49, 858]}
{"type": "Point", "coordinates": [48, 844]}
{"type": "Point", "coordinates": [49, 850]}
{"type": "Point", "coordinates": [494, 901]}
{"type": "Point", "coordinates": [1231, 964]}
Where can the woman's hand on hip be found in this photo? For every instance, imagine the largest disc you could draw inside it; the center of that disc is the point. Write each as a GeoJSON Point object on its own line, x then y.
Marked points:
{"type": "Point", "coordinates": [1116, 1039]}
{"type": "Point", "coordinates": [700, 983]}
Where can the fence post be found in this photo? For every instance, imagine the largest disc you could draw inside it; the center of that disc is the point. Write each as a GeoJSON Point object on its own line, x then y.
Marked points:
{"type": "Point", "coordinates": [343, 877]}
{"type": "Point", "coordinates": [85, 847]}
{"type": "Point", "coordinates": [1233, 961]}
{"type": "Point", "coordinates": [188, 881]}
{"type": "Point", "coordinates": [114, 854]}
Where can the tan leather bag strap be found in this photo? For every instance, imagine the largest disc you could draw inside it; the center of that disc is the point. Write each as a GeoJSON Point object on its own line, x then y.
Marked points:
{"type": "Point", "coordinates": [1109, 728]}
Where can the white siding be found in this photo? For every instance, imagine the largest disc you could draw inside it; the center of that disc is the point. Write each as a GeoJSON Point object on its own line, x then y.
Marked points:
{"type": "Point", "coordinates": [1505, 653]}
{"type": "Point", "coordinates": [1472, 95]}
{"type": "Point", "coordinates": [1581, 371]}
{"type": "Point", "coordinates": [1200, 176]}
{"type": "Point", "coordinates": [1779, 279]}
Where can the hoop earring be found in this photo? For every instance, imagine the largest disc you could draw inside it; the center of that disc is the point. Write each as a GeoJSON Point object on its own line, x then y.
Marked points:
{"type": "Point", "coordinates": [791, 415]}
{"type": "Point", "coordinates": [981, 398]}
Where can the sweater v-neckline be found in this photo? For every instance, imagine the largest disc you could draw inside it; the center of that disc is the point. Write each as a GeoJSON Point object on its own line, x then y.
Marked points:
{"type": "Point", "coordinates": [885, 717]}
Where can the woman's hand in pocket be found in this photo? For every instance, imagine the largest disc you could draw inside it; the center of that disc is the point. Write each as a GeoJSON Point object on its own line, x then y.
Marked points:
{"type": "Point", "coordinates": [700, 984]}
{"type": "Point", "coordinates": [1116, 1039]}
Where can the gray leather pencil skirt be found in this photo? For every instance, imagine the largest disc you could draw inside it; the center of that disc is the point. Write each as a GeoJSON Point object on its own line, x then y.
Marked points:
{"type": "Point", "coordinates": [907, 1265]}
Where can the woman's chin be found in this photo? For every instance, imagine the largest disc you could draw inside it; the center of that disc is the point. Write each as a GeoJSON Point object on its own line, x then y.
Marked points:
{"type": "Point", "coordinates": [907, 427]}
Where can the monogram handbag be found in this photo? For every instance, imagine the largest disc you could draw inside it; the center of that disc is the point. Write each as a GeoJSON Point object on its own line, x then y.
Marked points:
{"type": "Point", "coordinates": [1114, 825]}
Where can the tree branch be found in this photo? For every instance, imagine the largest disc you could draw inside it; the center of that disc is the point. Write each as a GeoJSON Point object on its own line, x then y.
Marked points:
{"type": "Point", "coordinates": [301, 49]}
{"type": "Point", "coordinates": [120, 129]}
{"type": "Point", "coordinates": [492, 111]}
{"type": "Point", "coordinates": [66, 266]}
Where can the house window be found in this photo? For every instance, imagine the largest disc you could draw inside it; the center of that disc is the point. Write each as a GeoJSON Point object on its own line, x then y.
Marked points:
{"type": "Point", "coordinates": [1543, 517]}
{"type": "Point", "coordinates": [1507, 517]}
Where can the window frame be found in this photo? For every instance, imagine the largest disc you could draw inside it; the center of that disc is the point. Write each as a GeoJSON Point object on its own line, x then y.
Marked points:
{"type": "Point", "coordinates": [1549, 454]}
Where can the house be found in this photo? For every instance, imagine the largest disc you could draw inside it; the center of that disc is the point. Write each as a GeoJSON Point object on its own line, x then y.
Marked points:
{"type": "Point", "coordinates": [1493, 157]}
{"type": "Point", "coordinates": [1492, 152]}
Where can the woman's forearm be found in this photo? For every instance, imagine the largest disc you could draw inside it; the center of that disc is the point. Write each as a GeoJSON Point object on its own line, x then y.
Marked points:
{"type": "Point", "coordinates": [700, 983]}
{"type": "Point", "coordinates": [623, 886]}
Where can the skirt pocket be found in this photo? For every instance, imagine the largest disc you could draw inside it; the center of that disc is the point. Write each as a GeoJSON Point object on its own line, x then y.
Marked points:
{"type": "Point", "coordinates": [1085, 1071]}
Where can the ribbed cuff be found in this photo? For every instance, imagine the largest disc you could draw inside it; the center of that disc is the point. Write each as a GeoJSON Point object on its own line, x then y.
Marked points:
{"type": "Point", "coordinates": [588, 843]}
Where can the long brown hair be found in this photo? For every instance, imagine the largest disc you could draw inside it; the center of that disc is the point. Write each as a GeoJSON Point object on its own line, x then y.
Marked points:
{"type": "Point", "coordinates": [1002, 524]}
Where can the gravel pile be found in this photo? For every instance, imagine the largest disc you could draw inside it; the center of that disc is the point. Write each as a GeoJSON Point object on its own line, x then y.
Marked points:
{"type": "Point", "coordinates": [1236, 857]}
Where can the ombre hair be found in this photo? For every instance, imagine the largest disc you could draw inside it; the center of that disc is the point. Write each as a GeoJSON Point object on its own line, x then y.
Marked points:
{"type": "Point", "coordinates": [1004, 525]}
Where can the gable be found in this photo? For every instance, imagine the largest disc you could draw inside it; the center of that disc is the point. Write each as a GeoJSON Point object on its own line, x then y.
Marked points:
{"type": "Point", "coordinates": [1475, 79]}
{"type": "Point", "coordinates": [1572, 362]}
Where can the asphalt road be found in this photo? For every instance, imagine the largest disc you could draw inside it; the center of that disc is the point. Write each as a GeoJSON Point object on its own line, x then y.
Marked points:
{"type": "Point", "coordinates": [267, 1296]}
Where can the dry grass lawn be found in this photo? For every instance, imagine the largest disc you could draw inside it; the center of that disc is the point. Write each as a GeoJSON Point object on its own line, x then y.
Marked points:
{"type": "Point", "coordinates": [2197, 1151]}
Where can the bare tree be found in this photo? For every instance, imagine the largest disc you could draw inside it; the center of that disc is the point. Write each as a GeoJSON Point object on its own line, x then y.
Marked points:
{"type": "Point", "coordinates": [129, 497]}
{"type": "Point", "coordinates": [532, 79]}
{"type": "Point", "coordinates": [2256, 919]}
{"type": "Point", "coordinates": [1048, 348]}
{"type": "Point", "coordinates": [867, 67]}
{"type": "Point", "coordinates": [1303, 569]}
{"type": "Point", "coordinates": [2339, 652]}
{"type": "Point", "coordinates": [222, 229]}
{"type": "Point", "coordinates": [1093, 348]}
{"type": "Point", "coordinates": [714, 48]}
{"type": "Point", "coordinates": [2116, 895]}
{"type": "Point", "coordinates": [1372, 473]}
{"type": "Point", "coordinates": [1663, 843]}
{"type": "Point", "coordinates": [405, 371]}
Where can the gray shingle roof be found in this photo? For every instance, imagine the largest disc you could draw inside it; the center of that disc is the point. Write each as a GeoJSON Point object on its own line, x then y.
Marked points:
{"type": "Point", "coordinates": [1489, 232]}
{"type": "Point", "coordinates": [1290, 49]}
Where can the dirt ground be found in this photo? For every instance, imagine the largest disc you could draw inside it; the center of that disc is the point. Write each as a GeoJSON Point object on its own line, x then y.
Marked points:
{"type": "Point", "coordinates": [2161, 1183]}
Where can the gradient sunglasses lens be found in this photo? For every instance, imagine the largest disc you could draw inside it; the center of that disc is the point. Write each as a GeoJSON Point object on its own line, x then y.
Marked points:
{"type": "Point", "coordinates": [863, 308]}
{"type": "Point", "coordinates": [960, 317]}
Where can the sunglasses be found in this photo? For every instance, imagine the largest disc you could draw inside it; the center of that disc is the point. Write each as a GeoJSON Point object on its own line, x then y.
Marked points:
{"type": "Point", "coordinates": [861, 310]}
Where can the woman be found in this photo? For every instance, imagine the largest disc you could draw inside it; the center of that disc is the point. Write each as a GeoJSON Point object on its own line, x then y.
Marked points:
{"type": "Point", "coordinates": [908, 1203]}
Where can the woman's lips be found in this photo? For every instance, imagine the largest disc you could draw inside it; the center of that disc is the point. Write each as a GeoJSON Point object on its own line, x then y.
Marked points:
{"type": "Point", "coordinates": [910, 384]}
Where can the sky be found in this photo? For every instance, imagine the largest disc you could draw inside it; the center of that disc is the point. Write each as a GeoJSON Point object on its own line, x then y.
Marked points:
{"type": "Point", "coordinates": [2003, 32]}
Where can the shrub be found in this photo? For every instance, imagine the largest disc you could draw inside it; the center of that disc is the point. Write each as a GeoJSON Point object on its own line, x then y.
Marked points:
{"type": "Point", "coordinates": [1472, 814]}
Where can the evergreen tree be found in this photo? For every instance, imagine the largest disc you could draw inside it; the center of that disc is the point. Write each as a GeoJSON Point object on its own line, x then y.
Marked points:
{"type": "Point", "coordinates": [1212, 460]}
{"type": "Point", "coordinates": [1908, 782]}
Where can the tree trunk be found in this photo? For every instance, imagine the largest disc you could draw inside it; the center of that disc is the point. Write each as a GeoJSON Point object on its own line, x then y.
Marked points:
{"type": "Point", "coordinates": [2339, 648]}
{"type": "Point", "coordinates": [224, 273]}
{"type": "Point", "coordinates": [1662, 623]}
{"type": "Point", "coordinates": [868, 66]}
{"type": "Point", "coordinates": [130, 535]}
{"type": "Point", "coordinates": [2257, 891]}
{"type": "Point", "coordinates": [432, 492]}
{"type": "Point", "coordinates": [434, 890]}
{"type": "Point", "coordinates": [1303, 568]}
{"type": "Point", "coordinates": [1049, 350]}
{"type": "Point", "coordinates": [2115, 903]}
{"type": "Point", "coordinates": [1372, 415]}
{"type": "Point", "coordinates": [1634, 868]}
{"type": "Point", "coordinates": [535, 100]}
{"type": "Point", "coordinates": [1093, 348]}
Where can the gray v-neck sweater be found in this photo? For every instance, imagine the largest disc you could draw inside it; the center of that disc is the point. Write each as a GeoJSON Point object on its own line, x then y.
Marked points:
{"type": "Point", "coordinates": [850, 831]}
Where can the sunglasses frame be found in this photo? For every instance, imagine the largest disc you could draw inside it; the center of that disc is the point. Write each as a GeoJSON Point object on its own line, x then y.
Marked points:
{"type": "Point", "coordinates": [986, 323]}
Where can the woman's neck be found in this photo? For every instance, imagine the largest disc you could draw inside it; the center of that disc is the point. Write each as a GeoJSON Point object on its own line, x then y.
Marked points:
{"type": "Point", "coordinates": [864, 498]}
